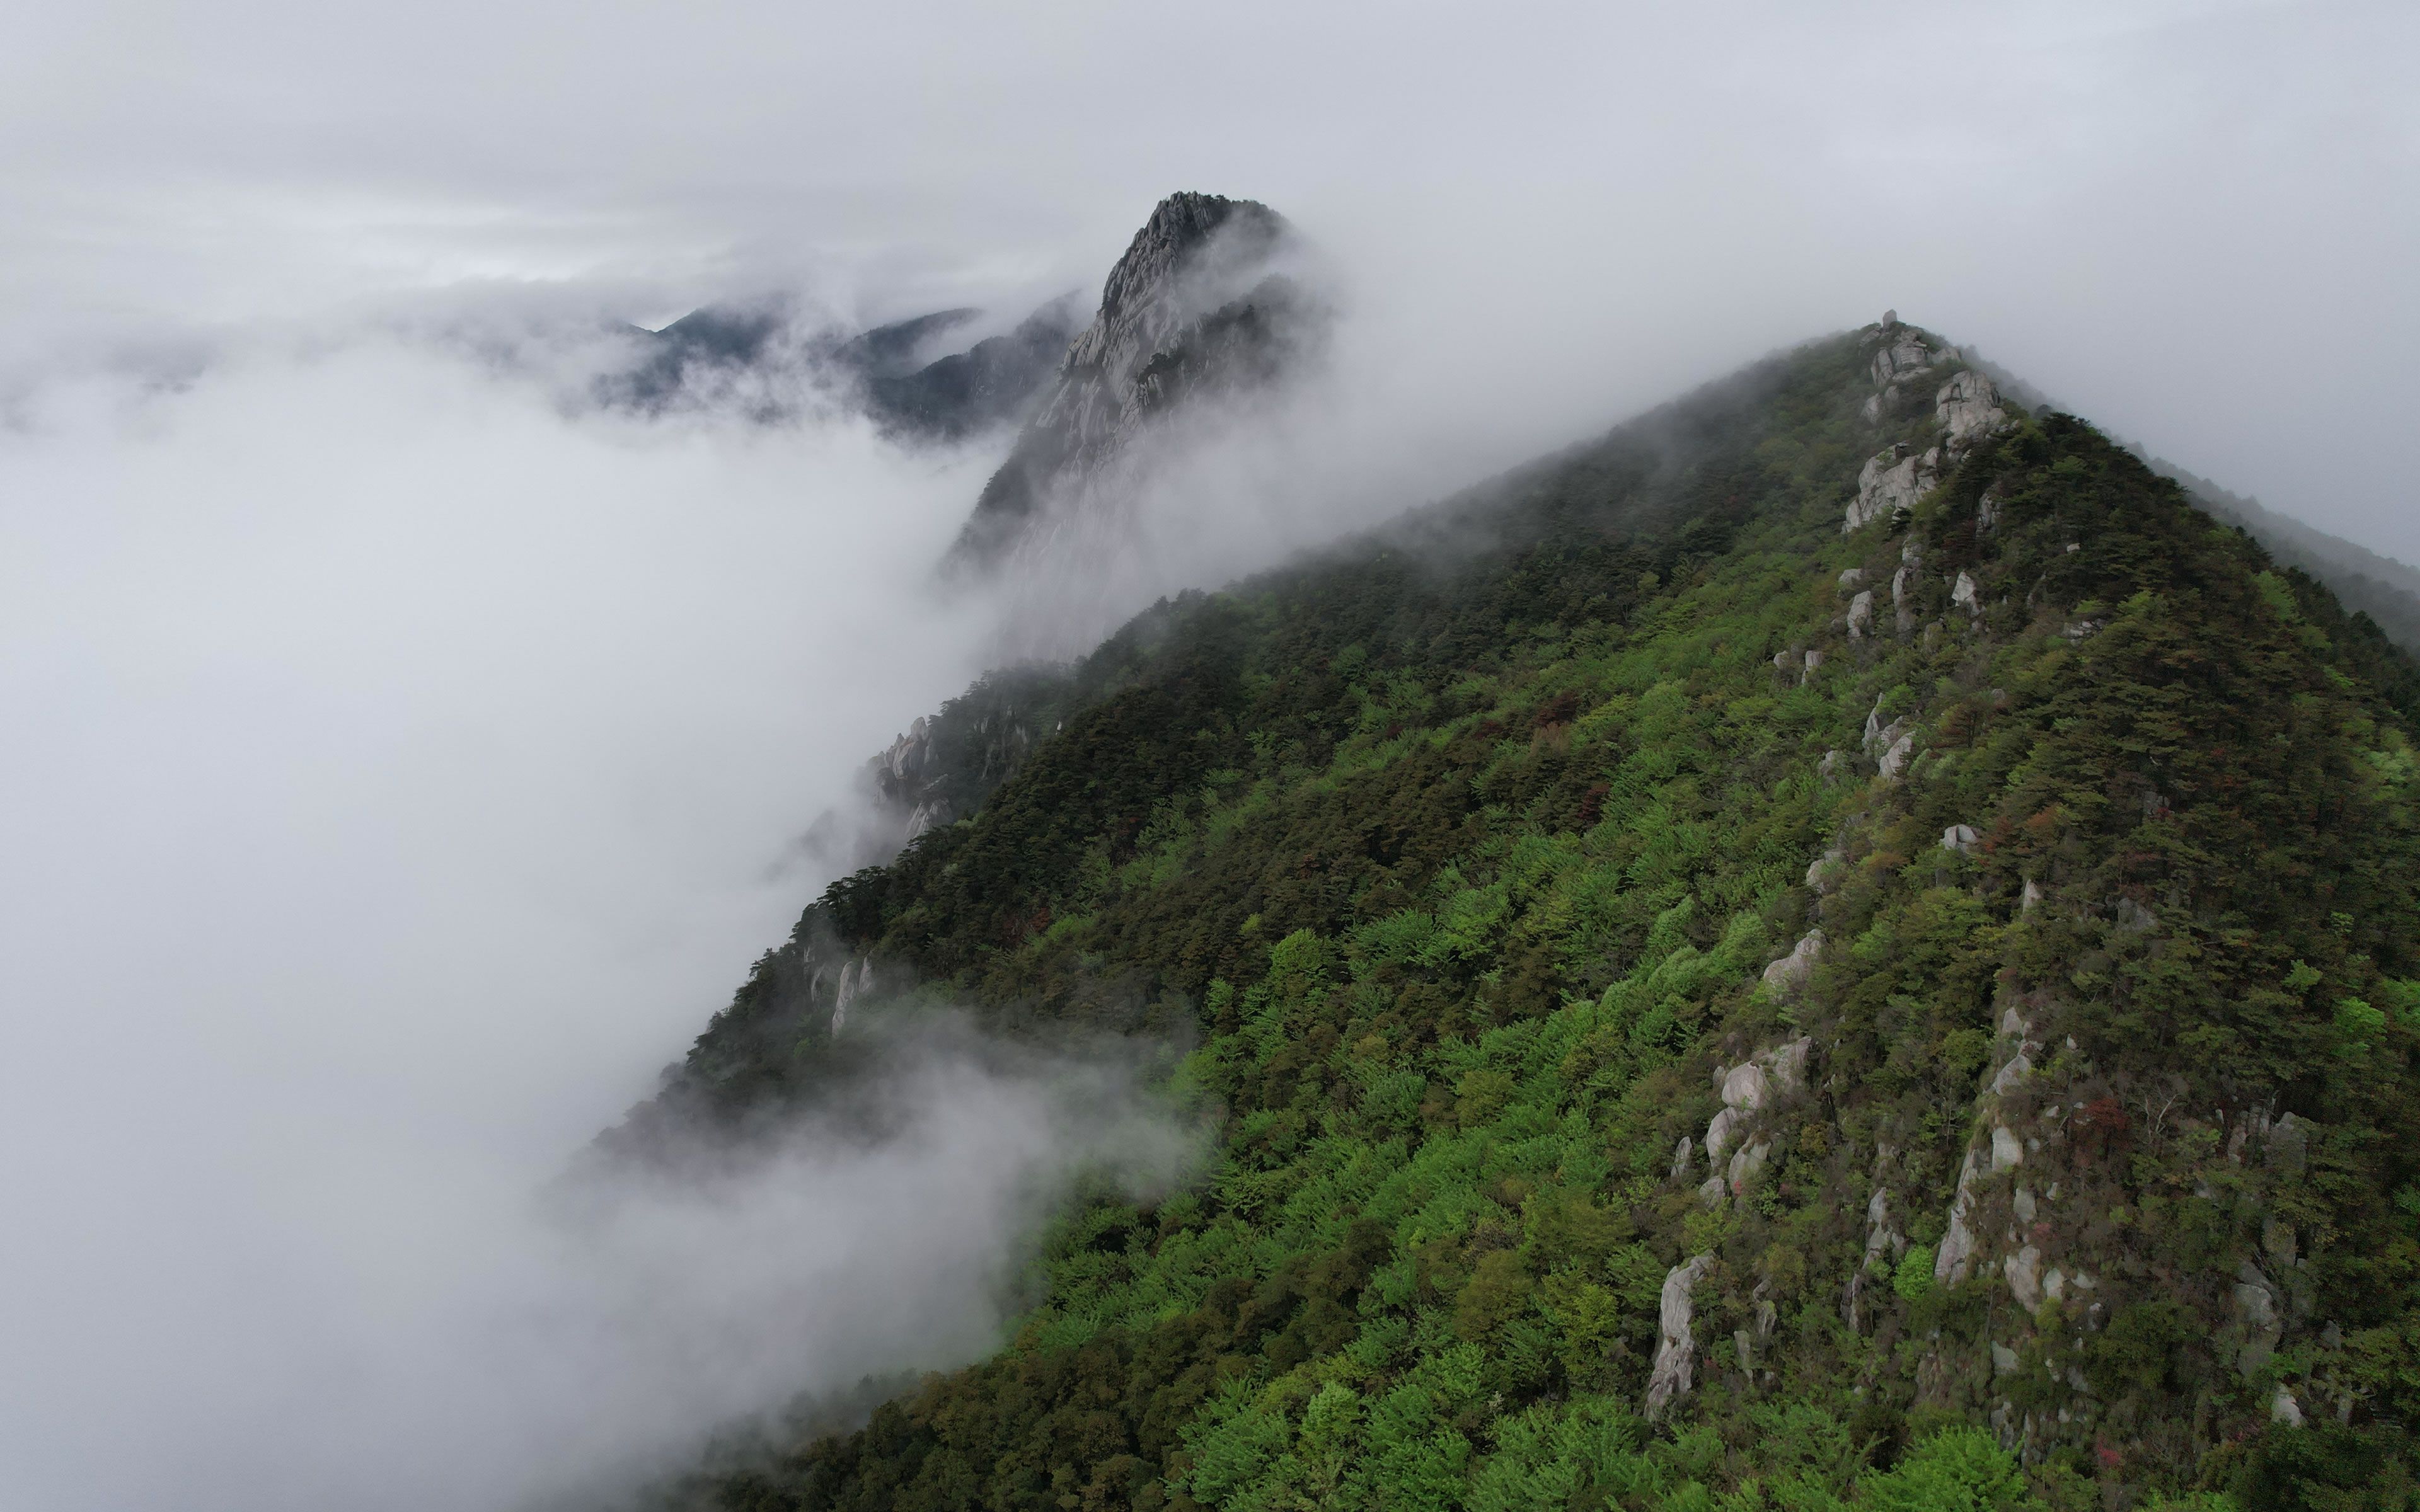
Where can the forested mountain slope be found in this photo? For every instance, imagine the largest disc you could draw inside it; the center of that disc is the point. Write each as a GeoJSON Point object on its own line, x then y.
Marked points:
{"type": "Point", "coordinates": [2379, 586]}
{"type": "Point", "coordinates": [1704, 1007]}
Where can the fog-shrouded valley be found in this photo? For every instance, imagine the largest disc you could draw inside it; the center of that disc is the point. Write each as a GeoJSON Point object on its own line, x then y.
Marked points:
{"type": "Point", "coordinates": [775, 761]}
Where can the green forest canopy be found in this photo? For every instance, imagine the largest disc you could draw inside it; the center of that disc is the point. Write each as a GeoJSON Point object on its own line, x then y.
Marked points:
{"type": "Point", "coordinates": [1463, 849]}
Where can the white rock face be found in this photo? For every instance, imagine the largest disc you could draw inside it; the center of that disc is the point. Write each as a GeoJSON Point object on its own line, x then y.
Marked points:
{"type": "Point", "coordinates": [1719, 1133]}
{"type": "Point", "coordinates": [1895, 760]}
{"type": "Point", "coordinates": [1861, 615]}
{"type": "Point", "coordinates": [1814, 660]}
{"type": "Point", "coordinates": [1853, 577]}
{"type": "Point", "coordinates": [1882, 1236]}
{"type": "Point", "coordinates": [1987, 511]}
{"type": "Point", "coordinates": [2253, 1298]}
{"type": "Point", "coordinates": [2033, 894]}
{"type": "Point", "coordinates": [1790, 972]}
{"type": "Point", "coordinates": [2283, 1408]}
{"type": "Point", "coordinates": [1743, 1087]}
{"type": "Point", "coordinates": [2255, 1308]}
{"type": "Point", "coordinates": [1746, 1164]}
{"type": "Point", "coordinates": [907, 753]}
{"type": "Point", "coordinates": [1969, 406]}
{"type": "Point", "coordinates": [2020, 1066]}
{"type": "Point", "coordinates": [1201, 309]}
{"type": "Point", "coordinates": [1681, 1162]}
{"type": "Point", "coordinates": [1957, 1251]}
{"type": "Point", "coordinates": [855, 977]}
{"type": "Point", "coordinates": [1880, 737]}
{"type": "Point", "coordinates": [1903, 352]}
{"type": "Point", "coordinates": [1750, 1085]}
{"type": "Point", "coordinates": [1673, 1371]}
{"type": "Point", "coordinates": [1787, 1063]}
{"type": "Point", "coordinates": [1960, 837]}
{"type": "Point", "coordinates": [2007, 1153]}
{"type": "Point", "coordinates": [1962, 594]}
{"type": "Point", "coordinates": [2024, 1272]}
{"type": "Point", "coordinates": [1891, 481]}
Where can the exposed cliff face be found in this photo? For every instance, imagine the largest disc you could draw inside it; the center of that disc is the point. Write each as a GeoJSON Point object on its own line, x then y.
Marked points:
{"type": "Point", "coordinates": [1966, 409]}
{"type": "Point", "coordinates": [1197, 310]}
{"type": "Point", "coordinates": [944, 767]}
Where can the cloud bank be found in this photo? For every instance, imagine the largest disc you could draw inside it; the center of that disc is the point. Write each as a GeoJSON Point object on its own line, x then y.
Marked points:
{"type": "Point", "coordinates": [399, 769]}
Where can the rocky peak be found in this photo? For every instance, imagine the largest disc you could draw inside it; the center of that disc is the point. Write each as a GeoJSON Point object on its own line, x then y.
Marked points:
{"type": "Point", "coordinates": [1177, 241]}
{"type": "Point", "coordinates": [1197, 306]}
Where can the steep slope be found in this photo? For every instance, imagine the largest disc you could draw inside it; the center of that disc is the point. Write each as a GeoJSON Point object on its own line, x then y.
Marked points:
{"type": "Point", "coordinates": [1198, 309]}
{"type": "Point", "coordinates": [2361, 580]}
{"type": "Point", "coordinates": [1840, 943]}
{"type": "Point", "coordinates": [2381, 587]}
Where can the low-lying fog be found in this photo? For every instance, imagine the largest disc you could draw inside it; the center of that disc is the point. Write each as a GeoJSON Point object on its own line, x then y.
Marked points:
{"type": "Point", "coordinates": [397, 770]}
{"type": "Point", "coordinates": [398, 764]}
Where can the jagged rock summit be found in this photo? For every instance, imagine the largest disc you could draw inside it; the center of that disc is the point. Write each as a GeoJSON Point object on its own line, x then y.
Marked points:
{"type": "Point", "coordinates": [1198, 307]}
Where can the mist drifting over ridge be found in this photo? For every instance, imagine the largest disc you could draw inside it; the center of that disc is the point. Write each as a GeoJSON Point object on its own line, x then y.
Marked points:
{"type": "Point", "coordinates": [400, 769]}
{"type": "Point", "coordinates": [402, 761]}
{"type": "Point", "coordinates": [413, 754]}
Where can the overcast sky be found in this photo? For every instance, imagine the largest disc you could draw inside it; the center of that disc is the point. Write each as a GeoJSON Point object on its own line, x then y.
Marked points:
{"type": "Point", "coordinates": [397, 765]}
{"type": "Point", "coordinates": [2197, 220]}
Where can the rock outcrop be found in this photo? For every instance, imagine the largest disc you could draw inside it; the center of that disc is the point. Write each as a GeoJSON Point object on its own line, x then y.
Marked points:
{"type": "Point", "coordinates": [1197, 309]}
{"type": "Point", "coordinates": [1892, 745]}
{"type": "Point", "coordinates": [1790, 973]}
{"type": "Point", "coordinates": [1892, 480]}
{"type": "Point", "coordinates": [1676, 1349]}
{"type": "Point", "coordinates": [1747, 1087]}
{"type": "Point", "coordinates": [1996, 1152]}
{"type": "Point", "coordinates": [945, 763]}
{"type": "Point", "coordinates": [855, 978]}
{"type": "Point", "coordinates": [1904, 583]}
{"type": "Point", "coordinates": [1968, 406]}
{"type": "Point", "coordinates": [1962, 594]}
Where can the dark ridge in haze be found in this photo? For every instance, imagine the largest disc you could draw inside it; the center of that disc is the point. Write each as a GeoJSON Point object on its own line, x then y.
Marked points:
{"type": "Point", "coordinates": [996, 381]}
{"type": "Point", "coordinates": [891, 371]}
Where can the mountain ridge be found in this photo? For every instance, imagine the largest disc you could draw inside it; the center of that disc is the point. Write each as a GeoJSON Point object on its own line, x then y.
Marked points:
{"type": "Point", "coordinates": [1198, 308]}
{"type": "Point", "coordinates": [1841, 939]}
{"type": "Point", "coordinates": [892, 372]}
